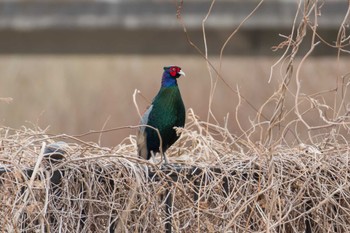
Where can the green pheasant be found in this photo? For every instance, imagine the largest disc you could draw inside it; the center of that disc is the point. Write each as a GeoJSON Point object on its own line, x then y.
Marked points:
{"type": "Point", "coordinates": [166, 112]}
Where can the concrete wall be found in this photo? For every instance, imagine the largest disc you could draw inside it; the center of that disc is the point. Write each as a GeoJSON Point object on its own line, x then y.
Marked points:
{"type": "Point", "coordinates": [151, 27]}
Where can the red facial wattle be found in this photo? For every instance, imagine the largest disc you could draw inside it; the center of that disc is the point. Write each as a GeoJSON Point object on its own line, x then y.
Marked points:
{"type": "Point", "coordinates": [174, 71]}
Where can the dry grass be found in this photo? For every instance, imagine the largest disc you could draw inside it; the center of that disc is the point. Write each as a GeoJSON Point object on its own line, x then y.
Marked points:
{"type": "Point", "coordinates": [283, 173]}
{"type": "Point", "coordinates": [240, 187]}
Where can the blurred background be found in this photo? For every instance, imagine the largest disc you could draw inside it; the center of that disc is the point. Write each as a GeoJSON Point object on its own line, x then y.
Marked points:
{"type": "Point", "coordinates": [73, 65]}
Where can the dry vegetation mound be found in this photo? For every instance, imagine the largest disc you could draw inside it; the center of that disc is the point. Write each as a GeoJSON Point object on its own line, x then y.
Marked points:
{"type": "Point", "coordinates": [216, 184]}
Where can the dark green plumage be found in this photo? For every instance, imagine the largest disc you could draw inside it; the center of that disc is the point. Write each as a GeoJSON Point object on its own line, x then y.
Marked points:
{"type": "Point", "coordinates": [166, 112]}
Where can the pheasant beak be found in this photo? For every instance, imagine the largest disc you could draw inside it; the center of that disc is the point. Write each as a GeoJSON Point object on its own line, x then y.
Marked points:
{"type": "Point", "coordinates": [182, 73]}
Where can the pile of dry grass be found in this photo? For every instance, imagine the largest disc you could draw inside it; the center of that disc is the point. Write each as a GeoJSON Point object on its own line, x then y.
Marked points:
{"type": "Point", "coordinates": [223, 186]}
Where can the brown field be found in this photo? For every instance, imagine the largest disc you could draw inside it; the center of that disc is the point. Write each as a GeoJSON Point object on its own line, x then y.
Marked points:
{"type": "Point", "coordinates": [76, 94]}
